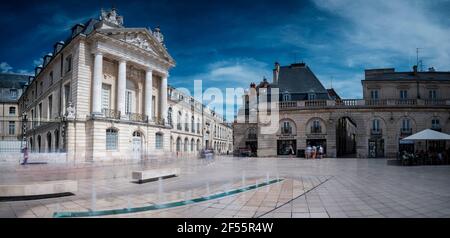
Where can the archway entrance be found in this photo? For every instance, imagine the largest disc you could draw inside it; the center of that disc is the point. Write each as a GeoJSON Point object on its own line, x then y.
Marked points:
{"type": "Point", "coordinates": [136, 143]}
{"type": "Point", "coordinates": [346, 138]}
{"type": "Point", "coordinates": [178, 144]}
{"type": "Point", "coordinates": [49, 142]}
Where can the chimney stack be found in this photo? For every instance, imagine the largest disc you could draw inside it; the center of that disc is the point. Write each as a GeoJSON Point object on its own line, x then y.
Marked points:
{"type": "Point", "coordinates": [276, 73]}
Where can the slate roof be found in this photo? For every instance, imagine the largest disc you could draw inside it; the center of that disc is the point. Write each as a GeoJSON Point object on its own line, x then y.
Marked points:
{"type": "Point", "coordinates": [390, 74]}
{"type": "Point", "coordinates": [298, 78]}
{"type": "Point", "coordinates": [17, 81]}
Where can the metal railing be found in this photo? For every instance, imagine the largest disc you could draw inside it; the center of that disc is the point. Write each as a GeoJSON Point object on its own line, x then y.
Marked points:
{"type": "Point", "coordinates": [137, 117]}
{"type": "Point", "coordinates": [406, 131]}
{"type": "Point", "coordinates": [286, 130]}
{"type": "Point", "coordinates": [112, 114]}
{"type": "Point", "coordinates": [376, 131]}
{"type": "Point", "coordinates": [316, 130]}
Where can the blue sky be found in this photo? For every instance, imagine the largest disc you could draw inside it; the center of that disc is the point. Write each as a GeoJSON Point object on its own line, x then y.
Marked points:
{"type": "Point", "coordinates": [233, 43]}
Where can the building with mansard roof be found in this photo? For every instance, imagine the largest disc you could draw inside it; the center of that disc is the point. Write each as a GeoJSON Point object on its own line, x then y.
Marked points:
{"type": "Point", "coordinates": [394, 106]}
{"type": "Point", "coordinates": [103, 94]}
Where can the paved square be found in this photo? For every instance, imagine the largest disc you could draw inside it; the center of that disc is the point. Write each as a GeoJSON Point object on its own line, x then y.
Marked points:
{"type": "Point", "coordinates": [309, 188]}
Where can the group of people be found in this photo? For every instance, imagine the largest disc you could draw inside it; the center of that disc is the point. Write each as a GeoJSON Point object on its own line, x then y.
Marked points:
{"type": "Point", "coordinates": [314, 152]}
{"type": "Point", "coordinates": [431, 157]}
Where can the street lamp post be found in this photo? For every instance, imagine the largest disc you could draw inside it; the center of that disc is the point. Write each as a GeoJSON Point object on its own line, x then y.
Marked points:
{"type": "Point", "coordinates": [24, 139]}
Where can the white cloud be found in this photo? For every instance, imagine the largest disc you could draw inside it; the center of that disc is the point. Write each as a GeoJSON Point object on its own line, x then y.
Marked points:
{"type": "Point", "coordinates": [5, 67]}
{"type": "Point", "coordinates": [393, 27]}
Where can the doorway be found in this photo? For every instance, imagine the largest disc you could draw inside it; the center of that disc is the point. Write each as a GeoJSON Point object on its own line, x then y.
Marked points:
{"type": "Point", "coordinates": [376, 148]}
{"type": "Point", "coordinates": [284, 147]}
{"type": "Point", "coordinates": [136, 143]}
{"type": "Point", "coordinates": [346, 137]}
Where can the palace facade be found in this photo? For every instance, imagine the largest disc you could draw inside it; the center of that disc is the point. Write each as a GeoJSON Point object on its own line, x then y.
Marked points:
{"type": "Point", "coordinates": [104, 94]}
{"type": "Point", "coordinates": [394, 106]}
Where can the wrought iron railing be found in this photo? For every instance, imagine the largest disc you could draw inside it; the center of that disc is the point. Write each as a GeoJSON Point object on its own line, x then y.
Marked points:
{"type": "Point", "coordinates": [316, 129]}
{"type": "Point", "coordinates": [137, 117]}
{"type": "Point", "coordinates": [286, 130]}
{"type": "Point", "coordinates": [406, 131]}
{"type": "Point", "coordinates": [376, 131]}
{"type": "Point", "coordinates": [112, 114]}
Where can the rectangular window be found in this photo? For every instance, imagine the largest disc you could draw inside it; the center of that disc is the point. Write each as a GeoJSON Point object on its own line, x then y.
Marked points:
{"type": "Point", "coordinates": [50, 78]}
{"type": "Point", "coordinates": [111, 139]}
{"type": "Point", "coordinates": [50, 107]}
{"type": "Point", "coordinates": [12, 111]}
{"type": "Point", "coordinates": [66, 96]}
{"type": "Point", "coordinates": [153, 106]}
{"type": "Point", "coordinates": [128, 102]}
{"type": "Point", "coordinates": [406, 125]}
{"type": "Point", "coordinates": [403, 94]}
{"type": "Point", "coordinates": [68, 63]}
{"type": "Point", "coordinates": [39, 117]}
{"type": "Point", "coordinates": [106, 96]}
{"type": "Point", "coordinates": [374, 94]}
{"type": "Point", "coordinates": [41, 87]}
{"type": "Point", "coordinates": [311, 96]}
{"type": "Point", "coordinates": [159, 141]}
{"type": "Point", "coordinates": [12, 128]}
{"type": "Point", "coordinates": [435, 124]}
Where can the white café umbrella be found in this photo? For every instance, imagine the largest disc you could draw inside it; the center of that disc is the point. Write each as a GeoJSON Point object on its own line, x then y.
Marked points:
{"type": "Point", "coordinates": [427, 135]}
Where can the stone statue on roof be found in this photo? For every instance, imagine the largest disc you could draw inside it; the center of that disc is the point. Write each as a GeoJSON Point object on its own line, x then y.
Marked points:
{"type": "Point", "coordinates": [111, 17]}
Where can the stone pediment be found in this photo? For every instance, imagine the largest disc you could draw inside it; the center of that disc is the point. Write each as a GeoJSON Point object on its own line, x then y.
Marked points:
{"type": "Point", "coordinates": [141, 38]}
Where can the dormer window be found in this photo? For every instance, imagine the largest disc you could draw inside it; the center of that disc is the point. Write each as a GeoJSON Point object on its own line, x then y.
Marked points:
{"type": "Point", "coordinates": [432, 95]}
{"type": "Point", "coordinates": [286, 97]}
{"type": "Point", "coordinates": [13, 93]}
{"type": "Point", "coordinates": [403, 94]}
{"type": "Point", "coordinates": [311, 96]}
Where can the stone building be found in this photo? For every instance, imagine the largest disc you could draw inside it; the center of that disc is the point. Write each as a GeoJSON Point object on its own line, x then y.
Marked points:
{"type": "Point", "coordinates": [103, 94]}
{"type": "Point", "coordinates": [394, 105]}
{"type": "Point", "coordinates": [11, 86]}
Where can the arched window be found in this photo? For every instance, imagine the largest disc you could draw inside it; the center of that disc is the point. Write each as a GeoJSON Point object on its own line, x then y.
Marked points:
{"type": "Point", "coordinates": [112, 138]}
{"type": "Point", "coordinates": [376, 125]}
{"type": "Point", "coordinates": [56, 140]}
{"type": "Point", "coordinates": [178, 144]}
{"type": "Point", "coordinates": [159, 141]}
{"type": "Point", "coordinates": [186, 144]}
{"type": "Point", "coordinates": [169, 116]}
{"type": "Point", "coordinates": [316, 127]}
{"type": "Point", "coordinates": [186, 122]}
{"type": "Point", "coordinates": [39, 143]}
{"type": "Point", "coordinates": [198, 145]}
{"type": "Point", "coordinates": [192, 145]}
{"type": "Point", "coordinates": [286, 129]}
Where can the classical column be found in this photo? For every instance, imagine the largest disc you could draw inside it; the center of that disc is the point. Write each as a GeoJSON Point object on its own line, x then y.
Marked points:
{"type": "Point", "coordinates": [97, 84]}
{"type": "Point", "coordinates": [148, 93]}
{"type": "Point", "coordinates": [163, 99]}
{"type": "Point", "coordinates": [121, 86]}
